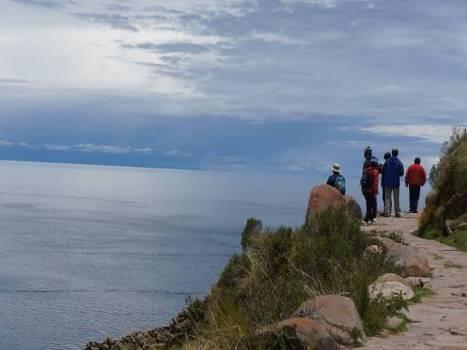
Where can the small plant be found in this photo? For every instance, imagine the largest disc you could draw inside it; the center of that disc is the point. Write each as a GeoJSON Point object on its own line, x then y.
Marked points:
{"type": "Point", "coordinates": [252, 228]}
{"type": "Point", "coordinates": [195, 308]}
{"type": "Point", "coordinates": [396, 237]}
{"type": "Point", "coordinates": [402, 326]}
{"type": "Point", "coordinates": [380, 310]}
{"type": "Point", "coordinates": [449, 264]}
{"type": "Point", "coordinates": [420, 293]}
{"type": "Point", "coordinates": [457, 240]}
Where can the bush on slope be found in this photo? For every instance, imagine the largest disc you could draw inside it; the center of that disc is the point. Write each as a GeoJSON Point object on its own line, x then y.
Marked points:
{"type": "Point", "coordinates": [447, 203]}
{"type": "Point", "coordinates": [279, 270]}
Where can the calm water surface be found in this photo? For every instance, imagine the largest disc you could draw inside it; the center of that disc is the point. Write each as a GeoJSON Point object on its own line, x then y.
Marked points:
{"type": "Point", "coordinates": [88, 252]}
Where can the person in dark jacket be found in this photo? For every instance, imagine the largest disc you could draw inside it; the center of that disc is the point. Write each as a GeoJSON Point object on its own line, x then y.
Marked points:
{"type": "Point", "coordinates": [414, 179]}
{"type": "Point", "coordinates": [367, 154]}
{"type": "Point", "coordinates": [370, 189]}
{"type": "Point", "coordinates": [387, 155]}
{"type": "Point", "coordinates": [393, 171]}
{"type": "Point", "coordinates": [336, 180]}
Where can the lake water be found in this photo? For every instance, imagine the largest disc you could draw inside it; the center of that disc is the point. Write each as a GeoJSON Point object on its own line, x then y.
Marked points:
{"type": "Point", "coordinates": [88, 252]}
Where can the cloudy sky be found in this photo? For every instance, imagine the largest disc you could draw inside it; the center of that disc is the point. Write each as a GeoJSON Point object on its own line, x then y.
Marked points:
{"type": "Point", "coordinates": [268, 85]}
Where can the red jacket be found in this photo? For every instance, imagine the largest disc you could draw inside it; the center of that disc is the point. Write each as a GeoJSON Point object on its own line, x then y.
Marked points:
{"type": "Point", "coordinates": [373, 171]}
{"type": "Point", "coordinates": [415, 175]}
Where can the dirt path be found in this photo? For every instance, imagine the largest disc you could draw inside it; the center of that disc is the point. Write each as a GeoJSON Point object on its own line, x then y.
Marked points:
{"type": "Point", "coordinates": [440, 321]}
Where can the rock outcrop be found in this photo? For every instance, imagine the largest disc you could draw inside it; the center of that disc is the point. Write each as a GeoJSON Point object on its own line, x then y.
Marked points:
{"type": "Point", "coordinates": [309, 334]}
{"type": "Point", "coordinates": [338, 314]}
{"type": "Point", "coordinates": [392, 277]}
{"type": "Point", "coordinates": [324, 196]}
{"type": "Point", "coordinates": [353, 208]}
{"type": "Point", "coordinates": [407, 258]}
{"type": "Point", "coordinates": [153, 339]}
{"type": "Point", "coordinates": [390, 289]}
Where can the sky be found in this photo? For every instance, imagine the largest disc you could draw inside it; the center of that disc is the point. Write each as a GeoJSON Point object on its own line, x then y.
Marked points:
{"type": "Point", "coordinates": [240, 85]}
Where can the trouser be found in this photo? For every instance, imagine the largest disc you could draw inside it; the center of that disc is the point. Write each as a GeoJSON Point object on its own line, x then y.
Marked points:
{"type": "Point", "coordinates": [389, 195]}
{"type": "Point", "coordinates": [383, 195]}
{"type": "Point", "coordinates": [371, 206]}
{"type": "Point", "coordinates": [414, 195]}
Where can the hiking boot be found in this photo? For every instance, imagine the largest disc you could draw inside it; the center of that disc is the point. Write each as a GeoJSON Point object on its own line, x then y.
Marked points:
{"type": "Point", "coordinates": [398, 215]}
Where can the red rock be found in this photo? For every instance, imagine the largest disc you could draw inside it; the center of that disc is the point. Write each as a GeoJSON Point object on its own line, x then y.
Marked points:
{"type": "Point", "coordinates": [338, 314]}
{"type": "Point", "coordinates": [323, 197]}
{"type": "Point", "coordinates": [310, 333]}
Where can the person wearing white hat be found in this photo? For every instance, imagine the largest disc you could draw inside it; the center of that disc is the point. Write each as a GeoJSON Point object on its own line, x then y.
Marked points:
{"type": "Point", "coordinates": [336, 180]}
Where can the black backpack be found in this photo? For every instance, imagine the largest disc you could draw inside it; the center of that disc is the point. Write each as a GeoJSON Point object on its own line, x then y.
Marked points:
{"type": "Point", "coordinates": [366, 181]}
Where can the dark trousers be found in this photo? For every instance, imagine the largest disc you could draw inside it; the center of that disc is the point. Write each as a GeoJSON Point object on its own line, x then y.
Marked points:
{"type": "Point", "coordinates": [371, 206]}
{"type": "Point", "coordinates": [414, 196]}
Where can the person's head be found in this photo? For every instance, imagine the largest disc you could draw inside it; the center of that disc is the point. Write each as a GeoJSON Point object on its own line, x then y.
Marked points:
{"type": "Point", "coordinates": [417, 160]}
{"type": "Point", "coordinates": [367, 153]}
{"type": "Point", "coordinates": [395, 152]}
{"type": "Point", "coordinates": [387, 155]}
{"type": "Point", "coordinates": [336, 168]}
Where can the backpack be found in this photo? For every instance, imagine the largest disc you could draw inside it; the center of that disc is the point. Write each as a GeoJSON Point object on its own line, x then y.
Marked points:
{"type": "Point", "coordinates": [340, 183]}
{"type": "Point", "coordinates": [366, 181]}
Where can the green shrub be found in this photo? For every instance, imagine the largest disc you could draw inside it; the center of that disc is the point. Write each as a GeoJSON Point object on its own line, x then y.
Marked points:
{"type": "Point", "coordinates": [252, 228]}
{"type": "Point", "coordinates": [448, 199]}
{"type": "Point", "coordinates": [457, 240]}
{"type": "Point", "coordinates": [379, 310]}
{"type": "Point", "coordinates": [195, 308]}
{"type": "Point", "coordinates": [420, 293]}
{"type": "Point", "coordinates": [279, 270]}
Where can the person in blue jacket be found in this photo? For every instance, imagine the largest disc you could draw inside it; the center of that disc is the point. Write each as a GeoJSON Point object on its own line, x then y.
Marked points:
{"type": "Point", "coordinates": [393, 171]}
{"type": "Point", "coordinates": [387, 155]}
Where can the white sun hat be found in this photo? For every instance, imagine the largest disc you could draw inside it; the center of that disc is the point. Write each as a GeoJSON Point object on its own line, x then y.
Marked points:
{"type": "Point", "coordinates": [336, 167]}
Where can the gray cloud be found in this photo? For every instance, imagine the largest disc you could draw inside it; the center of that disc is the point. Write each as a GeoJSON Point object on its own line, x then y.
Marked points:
{"type": "Point", "coordinates": [51, 147]}
{"type": "Point", "coordinates": [89, 147]}
{"type": "Point", "coordinates": [98, 148]}
{"type": "Point", "coordinates": [162, 10]}
{"type": "Point", "coordinates": [182, 47]}
{"type": "Point", "coordinates": [5, 143]}
{"type": "Point", "coordinates": [117, 21]}
{"type": "Point", "coordinates": [175, 153]}
{"type": "Point", "coordinates": [13, 81]}
{"type": "Point", "coordinates": [43, 3]}
{"type": "Point", "coordinates": [273, 58]}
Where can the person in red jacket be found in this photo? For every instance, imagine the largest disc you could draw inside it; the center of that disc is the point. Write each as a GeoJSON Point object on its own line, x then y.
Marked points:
{"type": "Point", "coordinates": [414, 179]}
{"type": "Point", "coordinates": [369, 183]}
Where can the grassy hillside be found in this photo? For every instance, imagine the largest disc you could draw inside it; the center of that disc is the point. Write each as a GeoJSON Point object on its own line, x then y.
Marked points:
{"type": "Point", "coordinates": [446, 206]}
{"type": "Point", "coordinates": [279, 270]}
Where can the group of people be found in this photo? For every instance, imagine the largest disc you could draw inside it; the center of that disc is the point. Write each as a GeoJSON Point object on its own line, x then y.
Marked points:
{"type": "Point", "coordinates": [391, 171]}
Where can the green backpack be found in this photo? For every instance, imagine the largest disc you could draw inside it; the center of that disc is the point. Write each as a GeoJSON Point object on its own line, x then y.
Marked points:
{"type": "Point", "coordinates": [340, 183]}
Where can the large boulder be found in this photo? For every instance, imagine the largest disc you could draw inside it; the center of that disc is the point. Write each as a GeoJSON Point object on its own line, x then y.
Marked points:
{"type": "Point", "coordinates": [338, 314]}
{"type": "Point", "coordinates": [321, 198]}
{"type": "Point", "coordinates": [392, 277]}
{"type": "Point", "coordinates": [353, 208]}
{"type": "Point", "coordinates": [407, 258]}
{"type": "Point", "coordinates": [390, 289]}
{"type": "Point", "coordinates": [309, 334]}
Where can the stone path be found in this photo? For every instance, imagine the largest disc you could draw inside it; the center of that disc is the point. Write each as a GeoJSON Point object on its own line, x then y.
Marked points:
{"type": "Point", "coordinates": [440, 321]}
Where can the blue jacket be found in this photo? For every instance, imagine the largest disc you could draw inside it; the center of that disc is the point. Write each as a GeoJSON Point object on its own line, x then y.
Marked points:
{"type": "Point", "coordinates": [393, 170]}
